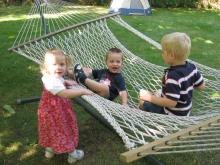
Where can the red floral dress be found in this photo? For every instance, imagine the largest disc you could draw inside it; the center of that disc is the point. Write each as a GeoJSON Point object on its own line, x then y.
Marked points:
{"type": "Point", "coordinates": [57, 124]}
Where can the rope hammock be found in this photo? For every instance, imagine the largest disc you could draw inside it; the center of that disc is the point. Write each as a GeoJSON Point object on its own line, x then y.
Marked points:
{"type": "Point", "coordinates": [87, 42]}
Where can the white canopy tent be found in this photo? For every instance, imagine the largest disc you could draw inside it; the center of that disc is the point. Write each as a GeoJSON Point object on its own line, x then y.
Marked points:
{"type": "Point", "coordinates": [127, 7]}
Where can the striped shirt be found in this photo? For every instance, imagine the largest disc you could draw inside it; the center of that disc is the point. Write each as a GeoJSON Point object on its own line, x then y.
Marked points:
{"type": "Point", "coordinates": [178, 84]}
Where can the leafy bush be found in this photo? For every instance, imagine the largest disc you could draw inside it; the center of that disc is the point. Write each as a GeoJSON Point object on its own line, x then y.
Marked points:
{"type": "Point", "coordinates": [154, 3]}
{"type": "Point", "coordinates": [92, 2]}
{"type": "Point", "coordinates": [186, 3]}
{"type": "Point", "coordinates": [173, 3]}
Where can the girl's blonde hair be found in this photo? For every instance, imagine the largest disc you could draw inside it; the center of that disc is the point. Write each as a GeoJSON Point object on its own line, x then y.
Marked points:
{"type": "Point", "coordinates": [177, 43]}
{"type": "Point", "coordinates": [54, 52]}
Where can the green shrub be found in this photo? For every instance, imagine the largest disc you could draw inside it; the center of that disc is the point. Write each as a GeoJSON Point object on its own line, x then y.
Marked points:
{"type": "Point", "coordinates": [92, 2]}
{"type": "Point", "coordinates": [185, 3]}
{"type": "Point", "coordinates": [173, 3]}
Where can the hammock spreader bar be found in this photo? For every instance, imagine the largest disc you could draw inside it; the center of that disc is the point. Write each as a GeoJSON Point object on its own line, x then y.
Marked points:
{"type": "Point", "coordinates": [153, 147]}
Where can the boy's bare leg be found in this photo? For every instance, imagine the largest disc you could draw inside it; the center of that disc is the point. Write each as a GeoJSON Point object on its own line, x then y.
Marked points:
{"type": "Point", "coordinates": [99, 88]}
{"type": "Point", "coordinates": [80, 76]}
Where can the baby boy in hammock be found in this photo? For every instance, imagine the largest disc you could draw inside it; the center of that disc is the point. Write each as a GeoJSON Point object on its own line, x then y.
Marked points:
{"type": "Point", "coordinates": [179, 80]}
{"type": "Point", "coordinates": [107, 82]}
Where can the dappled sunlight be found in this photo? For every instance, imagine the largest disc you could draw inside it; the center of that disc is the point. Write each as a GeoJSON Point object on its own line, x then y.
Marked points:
{"type": "Point", "coordinates": [34, 68]}
{"type": "Point", "coordinates": [209, 42]}
{"type": "Point", "coordinates": [4, 133]}
{"type": "Point", "coordinates": [54, 18]}
{"type": "Point", "coordinates": [163, 27]}
{"type": "Point", "coordinates": [64, 13]}
{"type": "Point", "coordinates": [70, 10]}
{"type": "Point", "coordinates": [12, 148]}
{"type": "Point", "coordinates": [88, 8]}
{"type": "Point", "coordinates": [30, 152]}
{"type": "Point", "coordinates": [189, 11]}
{"type": "Point", "coordinates": [11, 37]}
{"type": "Point", "coordinates": [215, 96]}
{"type": "Point", "coordinates": [12, 18]}
{"type": "Point", "coordinates": [153, 48]}
{"type": "Point", "coordinates": [197, 39]}
{"type": "Point", "coordinates": [78, 10]}
{"type": "Point", "coordinates": [7, 115]}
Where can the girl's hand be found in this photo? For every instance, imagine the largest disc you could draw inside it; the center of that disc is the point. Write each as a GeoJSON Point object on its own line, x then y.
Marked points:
{"type": "Point", "coordinates": [87, 92]}
{"type": "Point", "coordinates": [145, 95]}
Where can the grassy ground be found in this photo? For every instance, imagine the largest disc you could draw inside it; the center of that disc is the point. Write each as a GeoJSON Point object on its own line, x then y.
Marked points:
{"type": "Point", "coordinates": [21, 78]}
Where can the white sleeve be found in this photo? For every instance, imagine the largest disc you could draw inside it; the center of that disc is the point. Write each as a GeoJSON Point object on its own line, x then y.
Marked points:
{"type": "Point", "coordinates": [52, 84]}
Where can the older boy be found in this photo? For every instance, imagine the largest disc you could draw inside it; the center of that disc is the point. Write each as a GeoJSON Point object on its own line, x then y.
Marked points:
{"type": "Point", "coordinates": [179, 80]}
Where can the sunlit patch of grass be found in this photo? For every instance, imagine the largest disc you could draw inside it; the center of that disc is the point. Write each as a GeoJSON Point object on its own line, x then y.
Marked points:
{"type": "Point", "coordinates": [198, 39]}
{"type": "Point", "coordinates": [16, 15]}
{"type": "Point", "coordinates": [30, 152]}
{"type": "Point", "coordinates": [11, 37]}
{"type": "Point", "coordinates": [34, 68]}
{"type": "Point", "coordinates": [209, 42]}
{"type": "Point", "coordinates": [7, 115]}
{"type": "Point", "coordinates": [12, 18]}
{"type": "Point", "coordinates": [74, 10]}
{"type": "Point", "coordinates": [4, 134]}
{"type": "Point", "coordinates": [215, 96]}
{"type": "Point", "coordinates": [88, 8]}
{"type": "Point", "coordinates": [12, 148]}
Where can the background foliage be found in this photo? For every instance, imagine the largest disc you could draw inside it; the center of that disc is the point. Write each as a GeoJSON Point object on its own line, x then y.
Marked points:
{"type": "Point", "coordinates": [154, 3]}
{"type": "Point", "coordinates": [173, 3]}
{"type": "Point", "coordinates": [185, 3]}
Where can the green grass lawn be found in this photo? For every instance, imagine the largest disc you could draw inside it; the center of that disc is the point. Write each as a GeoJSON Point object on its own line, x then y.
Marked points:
{"type": "Point", "coordinates": [20, 78]}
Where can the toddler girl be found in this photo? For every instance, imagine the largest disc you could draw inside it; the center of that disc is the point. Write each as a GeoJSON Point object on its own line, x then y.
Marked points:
{"type": "Point", "coordinates": [57, 125]}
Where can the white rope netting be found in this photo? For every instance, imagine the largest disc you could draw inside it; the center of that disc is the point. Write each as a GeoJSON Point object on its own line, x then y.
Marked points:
{"type": "Point", "coordinates": [87, 44]}
{"type": "Point", "coordinates": [47, 16]}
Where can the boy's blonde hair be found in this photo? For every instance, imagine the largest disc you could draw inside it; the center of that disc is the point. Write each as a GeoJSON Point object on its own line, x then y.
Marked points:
{"type": "Point", "coordinates": [54, 52]}
{"type": "Point", "coordinates": [177, 43]}
{"type": "Point", "coordinates": [113, 50]}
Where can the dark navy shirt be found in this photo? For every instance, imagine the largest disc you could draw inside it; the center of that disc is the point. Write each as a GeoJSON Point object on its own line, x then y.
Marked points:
{"type": "Point", "coordinates": [178, 84]}
{"type": "Point", "coordinates": [115, 81]}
